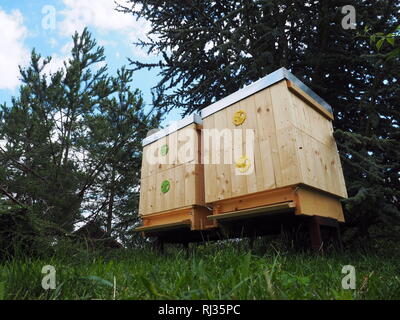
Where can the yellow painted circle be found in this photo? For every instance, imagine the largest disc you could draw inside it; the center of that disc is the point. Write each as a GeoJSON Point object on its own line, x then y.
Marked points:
{"type": "Point", "coordinates": [239, 117]}
{"type": "Point", "coordinates": [243, 164]}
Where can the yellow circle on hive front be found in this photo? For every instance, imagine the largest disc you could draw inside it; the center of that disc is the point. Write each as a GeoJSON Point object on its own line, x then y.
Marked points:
{"type": "Point", "coordinates": [239, 117]}
{"type": "Point", "coordinates": [243, 164]}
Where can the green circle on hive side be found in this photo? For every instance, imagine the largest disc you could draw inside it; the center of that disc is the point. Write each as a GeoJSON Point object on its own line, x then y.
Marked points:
{"type": "Point", "coordinates": [165, 186]}
{"type": "Point", "coordinates": [164, 150]}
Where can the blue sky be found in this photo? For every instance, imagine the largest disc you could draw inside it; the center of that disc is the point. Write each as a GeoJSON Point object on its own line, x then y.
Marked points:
{"type": "Point", "coordinates": [47, 26]}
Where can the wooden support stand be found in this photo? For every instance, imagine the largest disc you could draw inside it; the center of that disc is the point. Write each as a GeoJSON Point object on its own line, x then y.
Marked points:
{"type": "Point", "coordinates": [251, 215]}
{"type": "Point", "coordinates": [316, 239]}
{"type": "Point", "coordinates": [193, 218]}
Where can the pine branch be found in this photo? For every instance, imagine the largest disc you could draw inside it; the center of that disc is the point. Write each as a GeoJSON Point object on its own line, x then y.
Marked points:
{"type": "Point", "coordinates": [11, 197]}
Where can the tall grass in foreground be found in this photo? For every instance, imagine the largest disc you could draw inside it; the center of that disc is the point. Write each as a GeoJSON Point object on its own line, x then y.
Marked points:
{"type": "Point", "coordinates": [212, 271]}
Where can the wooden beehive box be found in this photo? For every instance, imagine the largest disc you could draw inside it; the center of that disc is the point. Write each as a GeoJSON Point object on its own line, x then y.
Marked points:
{"type": "Point", "coordinates": [172, 178]}
{"type": "Point", "coordinates": [295, 162]}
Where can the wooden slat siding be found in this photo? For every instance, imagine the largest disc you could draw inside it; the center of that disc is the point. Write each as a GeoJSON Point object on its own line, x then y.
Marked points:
{"type": "Point", "coordinates": [152, 167]}
{"type": "Point", "coordinates": [148, 169]}
{"type": "Point", "coordinates": [152, 194]}
{"type": "Point", "coordinates": [312, 122]}
{"type": "Point", "coordinates": [189, 181]}
{"type": "Point", "coordinates": [252, 182]}
{"type": "Point", "coordinates": [157, 193]}
{"type": "Point", "coordinates": [142, 196]}
{"type": "Point", "coordinates": [259, 110]}
{"type": "Point", "coordinates": [319, 159]}
{"type": "Point", "coordinates": [172, 156]}
{"type": "Point", "coordinates": [163, 160]}
{"type": "Point", "coordinates": [161, 198]}
{"type": "Point", "coordinates": [269, 156]}
{"type": "Point", "coordinates": [210, 169]}
{"type": "Point", "coordinates": [260, 159]}
{"type": "Point", "coordinates": [284, 115]}
{"type": "Point", "coordinates": [342, 182]}
{"type": "Point", "coordinates": [170, 195]}
{"type": "Point", "coordinates": [180, 186]}
{"type": "Point", "coordinates": [182, 192]}
{"type": "Point", "coordinates": [184, 138]}
{"type": "Point", "coordinates": [309, 100]}
{"type": "Point", "coordinates": [223, 178]}
{"type": "Point", "coordinates": [199, 185]}
{"type": "Point", "coordinates": [145, 165]}
{"type": "Point", "coordinates": [321, 165]}
{"type": "Point", "coordinates": [283, 105]}
{"type": "Point", "coordinates": [175, 140]}
{"type": "Point", "coordinates": [194, 184]}
{"type": "Point", "coordinates": [226, 169]}
{"type": "Point", "coordinates": [239, 183]}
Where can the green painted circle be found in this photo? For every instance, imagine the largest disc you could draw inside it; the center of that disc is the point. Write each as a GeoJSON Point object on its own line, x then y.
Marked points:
{"type": "Point", "coordinates": [164, 150]}
{"type": "Point", "coordinates": [165, 186]}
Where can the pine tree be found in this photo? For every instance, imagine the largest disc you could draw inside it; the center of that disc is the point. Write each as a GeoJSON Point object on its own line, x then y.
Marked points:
{"type": "Point", "coordinates": [73, 151]}
{"type": "Point", "coordinates": [120, 121]}
{"type": "Point", "coordinates": [210, 49]}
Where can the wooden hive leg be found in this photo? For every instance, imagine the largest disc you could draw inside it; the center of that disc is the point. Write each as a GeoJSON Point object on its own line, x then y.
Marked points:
{"type": "Point", "coordinates": [251, 243]}
{"type": "Point", "coordinates": [159, 245]}
{"type": "Point", "coordinates": [186, 249]}
{"type": "Point", "coordinates": [252, 239]}
{"type": "Point", "coordinates": [337, 237]}
{"type": "Point", "coordinates": [315, 234]}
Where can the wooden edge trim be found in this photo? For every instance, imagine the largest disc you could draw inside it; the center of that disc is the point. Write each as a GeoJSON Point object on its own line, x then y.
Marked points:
{"type": "Point", "coordinates": [184, 223]}
{"type": "Point", "coordinates": [167, 212]}
{"type": "Point", "coordinates": [308, 99]}
{"type": "Point", "coordinates": [258, 211]}
{"type": "Point", "coordinates": [254, 200]}
{"type": "Point", "coordinates": [327, 193]}
{"type": "Point", "coordinates": [285, 189]}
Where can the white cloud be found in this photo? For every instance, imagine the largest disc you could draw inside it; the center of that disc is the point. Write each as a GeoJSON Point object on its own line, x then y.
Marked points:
{"type": "Point", "coordinates": [12, 49]}
{"type": "Point", "coordinates": [53, 42]}
{"type": "Point", "coordinates": [101, 15]}
{"type": "Point", "coordinates": [56, 63]}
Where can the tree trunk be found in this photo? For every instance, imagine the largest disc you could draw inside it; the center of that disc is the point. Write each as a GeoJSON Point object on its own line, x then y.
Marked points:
{"type": "Point", "coordinates": [111, 204]}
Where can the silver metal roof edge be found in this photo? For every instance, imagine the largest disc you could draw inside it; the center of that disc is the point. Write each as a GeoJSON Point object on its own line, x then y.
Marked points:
{"type": "Point", "coordinates": [290, 76]}
{"type": "Point", "coordinates": [259, 85]}
{"type": "Point", "coordinates": [175, 126]}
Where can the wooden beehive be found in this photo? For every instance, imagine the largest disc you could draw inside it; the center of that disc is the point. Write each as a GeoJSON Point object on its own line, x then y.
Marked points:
{"type": "Point", "coordinates": [295, 164]}
{"type": "Point", "coordinates": [172, 178]}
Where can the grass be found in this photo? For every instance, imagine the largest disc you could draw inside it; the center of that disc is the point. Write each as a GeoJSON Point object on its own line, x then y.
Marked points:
{"type": "Point", "coordinates": [213, 271]}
